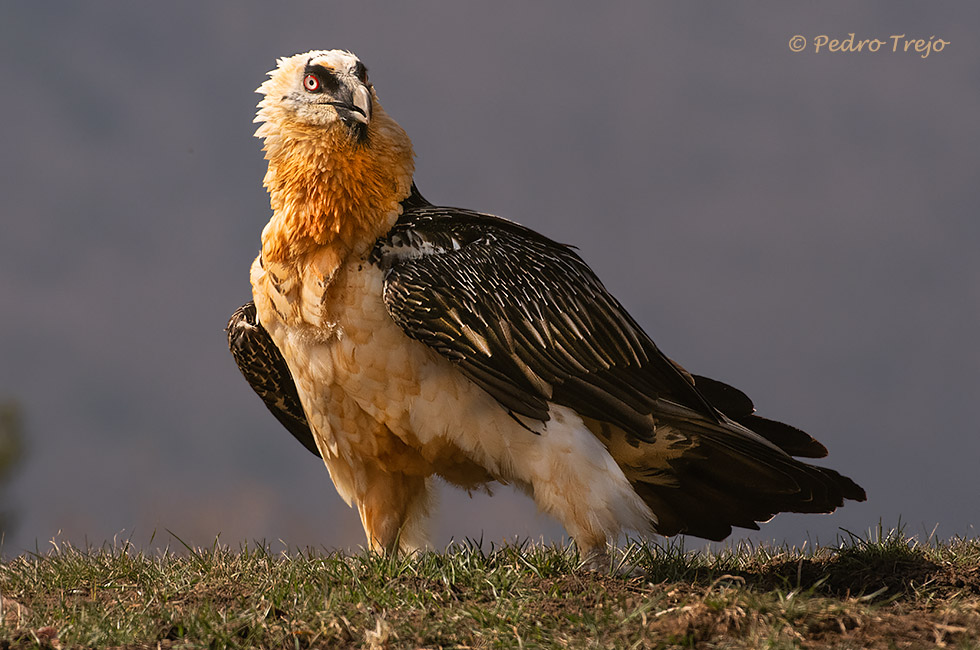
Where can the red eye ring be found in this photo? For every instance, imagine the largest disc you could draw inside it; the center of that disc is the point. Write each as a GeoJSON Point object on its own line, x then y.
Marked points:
{"type": "Point", "coordinates": [311, 83]}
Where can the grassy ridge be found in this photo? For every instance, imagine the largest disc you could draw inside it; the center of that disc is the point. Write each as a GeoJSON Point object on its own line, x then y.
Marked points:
{"type": "Point", "coordinates": [883, 592]}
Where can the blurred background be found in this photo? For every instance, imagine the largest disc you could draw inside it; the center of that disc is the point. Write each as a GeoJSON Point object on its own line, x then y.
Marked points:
{"type": "Point", "coordinates": [804, 226]}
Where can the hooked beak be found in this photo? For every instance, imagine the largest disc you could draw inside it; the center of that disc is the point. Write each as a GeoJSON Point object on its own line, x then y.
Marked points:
{"type": "Point", "coordinates": [362, 104]}
{"type": "Point", "coordinates": [356, 108]}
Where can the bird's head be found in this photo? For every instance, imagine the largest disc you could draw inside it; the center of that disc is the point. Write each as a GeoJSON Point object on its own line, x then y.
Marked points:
{"type": "Point", "coordinates": [323, 91]}
{"type": "Point", "coordinates": [334, 154]}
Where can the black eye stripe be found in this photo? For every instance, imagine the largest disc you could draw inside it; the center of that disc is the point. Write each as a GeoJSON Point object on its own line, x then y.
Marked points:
{"type": "Point", "coordinates": [328, 80]}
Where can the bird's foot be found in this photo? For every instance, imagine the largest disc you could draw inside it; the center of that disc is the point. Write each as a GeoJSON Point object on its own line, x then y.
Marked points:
{"type": "Point", "coordinates": [600, 561]}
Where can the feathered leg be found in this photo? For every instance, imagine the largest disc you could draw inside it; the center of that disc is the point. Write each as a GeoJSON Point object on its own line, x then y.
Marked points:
{"type": "Point", "coordinates": [393, 508]}
{"type": "Point", "coordinates": [572, 477]}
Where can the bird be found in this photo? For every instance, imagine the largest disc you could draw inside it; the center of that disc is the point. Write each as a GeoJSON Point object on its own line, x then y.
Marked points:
{"type": "Point", "coordinates": [405, 342]}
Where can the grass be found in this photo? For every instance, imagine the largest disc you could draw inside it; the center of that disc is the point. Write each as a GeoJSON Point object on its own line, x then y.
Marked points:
{"type": "Point", "coordinates": [878, 591]}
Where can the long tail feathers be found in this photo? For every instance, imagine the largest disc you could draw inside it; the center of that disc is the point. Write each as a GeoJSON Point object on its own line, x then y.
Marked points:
{"type": "Point", "coordinates": [708, 477]}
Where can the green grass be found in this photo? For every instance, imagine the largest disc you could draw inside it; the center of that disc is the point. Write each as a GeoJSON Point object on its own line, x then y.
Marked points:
{"type": "Point", "coordinates": [879, 591]}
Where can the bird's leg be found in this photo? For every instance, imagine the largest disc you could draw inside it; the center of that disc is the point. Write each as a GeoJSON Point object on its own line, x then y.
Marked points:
{"type": "Point", "coordinates": [595, 558]}
{"type": "Point", "coordinates": [572, 477]}
{"type": "Point", "coordinates": [392, 508]}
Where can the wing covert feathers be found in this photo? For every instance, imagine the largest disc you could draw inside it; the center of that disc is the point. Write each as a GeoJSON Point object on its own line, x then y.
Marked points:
{"type": "Point", "coordinates": [526, 319]}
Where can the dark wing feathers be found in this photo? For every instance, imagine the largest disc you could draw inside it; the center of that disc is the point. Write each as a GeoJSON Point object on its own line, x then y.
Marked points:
{"type": "Point", "coordinates": [729, 480]}
{"type": "Point", "coordinates": [736, 405]}
{"type": "Point", "coordinates": [526, 319]}
{"type": "Point", "coordinates": [265, 370]}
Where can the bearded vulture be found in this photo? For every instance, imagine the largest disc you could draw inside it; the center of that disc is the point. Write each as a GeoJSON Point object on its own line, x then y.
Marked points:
{"type": "Point", "coordinates": [403, 341]}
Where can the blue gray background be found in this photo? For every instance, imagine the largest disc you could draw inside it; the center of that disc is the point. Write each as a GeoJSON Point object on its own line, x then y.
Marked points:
{"type": "Point", "coordinates": [804, 226]}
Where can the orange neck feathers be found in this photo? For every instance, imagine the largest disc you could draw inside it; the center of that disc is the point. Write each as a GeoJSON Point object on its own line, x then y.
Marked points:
{"type": "Point", "coordinates": [328, 190]}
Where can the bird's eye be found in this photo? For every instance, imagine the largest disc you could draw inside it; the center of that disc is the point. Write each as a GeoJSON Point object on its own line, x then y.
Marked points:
{"type": "Point", "coordinates": [311, 83]}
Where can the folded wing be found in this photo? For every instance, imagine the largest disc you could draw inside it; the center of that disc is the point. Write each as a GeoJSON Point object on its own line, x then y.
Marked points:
{"type": "Point", "coordinates": [265, 370]}
{"type": "Point", "coordinates": [527, 320]}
